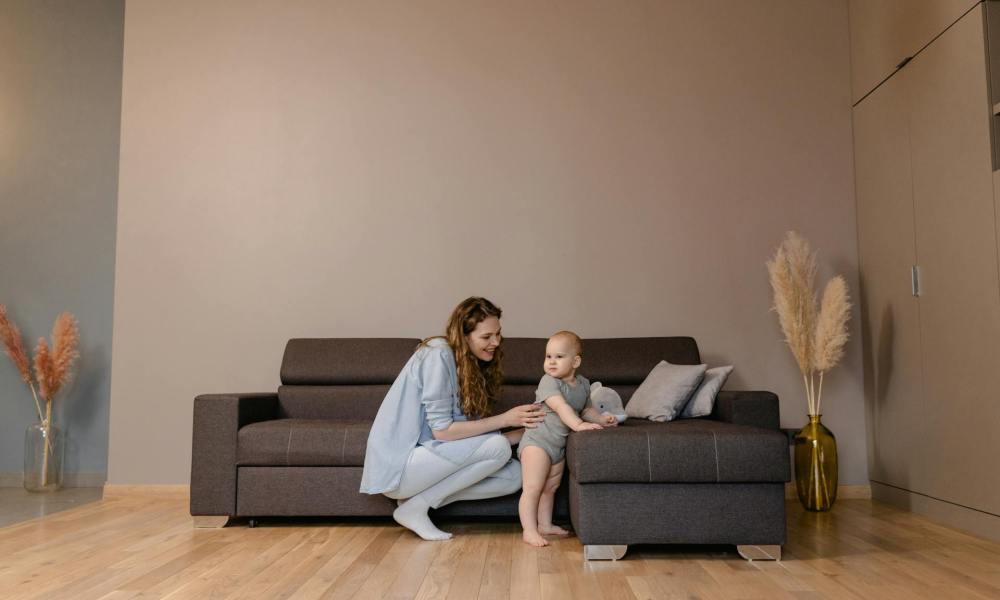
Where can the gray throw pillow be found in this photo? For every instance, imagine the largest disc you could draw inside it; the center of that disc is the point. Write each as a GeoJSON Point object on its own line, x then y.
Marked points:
{"type": "Point", "coordinates": [703, 400]}
{"type": "Point", "coordinates": [665, 391]}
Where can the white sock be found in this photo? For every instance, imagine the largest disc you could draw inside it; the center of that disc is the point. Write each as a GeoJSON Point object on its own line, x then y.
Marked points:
{"type": "Point", "coordinates": [413, 516]}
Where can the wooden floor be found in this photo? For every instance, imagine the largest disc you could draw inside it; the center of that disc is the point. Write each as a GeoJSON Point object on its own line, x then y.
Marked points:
{"type": "Point", "coordinates": [17, 505]}
{"type": "Point", "coordinates": [141, 546]}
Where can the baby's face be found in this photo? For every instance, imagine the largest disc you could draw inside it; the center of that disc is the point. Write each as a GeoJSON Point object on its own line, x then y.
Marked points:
{"type": "Point", "coordinates": [561, 359]}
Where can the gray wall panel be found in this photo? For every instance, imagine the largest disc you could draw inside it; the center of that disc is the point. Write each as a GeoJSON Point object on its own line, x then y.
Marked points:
{"type": "Point", "coordinates": [60, 107]}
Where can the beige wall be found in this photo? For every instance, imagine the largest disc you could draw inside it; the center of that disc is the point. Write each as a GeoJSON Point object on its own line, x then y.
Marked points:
{"type": "Point", "coordinates": [355, 169]}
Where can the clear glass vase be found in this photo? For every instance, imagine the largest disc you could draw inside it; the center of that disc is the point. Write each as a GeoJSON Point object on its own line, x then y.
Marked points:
{"type": "Point", "coordinates": [816, 466]}
{"type": "Point", "coordinates": [43, 458]}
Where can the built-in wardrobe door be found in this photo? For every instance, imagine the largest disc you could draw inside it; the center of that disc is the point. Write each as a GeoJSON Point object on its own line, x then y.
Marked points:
{"type": "Point", "coordinates": [889, 311]}
{"type": "Point", "coordinates": [957, 252]}
{"type": "Point", "coordinates": [884, 32]}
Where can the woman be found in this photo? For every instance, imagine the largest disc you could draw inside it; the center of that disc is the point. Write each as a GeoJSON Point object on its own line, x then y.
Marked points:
{"type": "Point", "coordinates": [434, 440]}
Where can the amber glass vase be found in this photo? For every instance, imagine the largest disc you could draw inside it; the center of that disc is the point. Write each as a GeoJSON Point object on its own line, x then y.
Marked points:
{"type": "Point", "coordinates": [816, 466]}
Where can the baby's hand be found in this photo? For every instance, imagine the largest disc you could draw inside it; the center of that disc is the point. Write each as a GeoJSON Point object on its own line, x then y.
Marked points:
{"type": "Point", "coordinates": [584, 426]}
{"type": "Point", "coordinates": [609, 421]}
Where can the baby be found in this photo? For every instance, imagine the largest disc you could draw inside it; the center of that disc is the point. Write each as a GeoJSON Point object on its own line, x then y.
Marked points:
{"type": "Point", "coordinates": [563, 394]}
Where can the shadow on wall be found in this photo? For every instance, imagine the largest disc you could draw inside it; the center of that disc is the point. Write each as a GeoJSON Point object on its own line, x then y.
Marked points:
{"type": "Point", "coordinates": [882, 359]}
{"type": "Point", "coordinates": [879, 361]}
{"type": "Point", "coordinates": [81, 401]}
{"type": "Point", "coordinates": [735, 381]}
{"type": "Point", "coordinates": [885, 344]}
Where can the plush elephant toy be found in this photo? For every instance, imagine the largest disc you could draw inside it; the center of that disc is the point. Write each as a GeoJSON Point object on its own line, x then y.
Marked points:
{"type": "Point", "coordinates": [607, 401]}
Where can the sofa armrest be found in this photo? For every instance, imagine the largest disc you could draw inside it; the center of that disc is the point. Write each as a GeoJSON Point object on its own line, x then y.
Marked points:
{"type": "Point", "coordinates": [217, 419]}
{"type": "Point", "coordinates": [758, 409]}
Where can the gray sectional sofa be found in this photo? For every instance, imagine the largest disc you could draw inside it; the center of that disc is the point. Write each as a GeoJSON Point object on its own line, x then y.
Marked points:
{"type": "Point", "coordinates": [300, 451]}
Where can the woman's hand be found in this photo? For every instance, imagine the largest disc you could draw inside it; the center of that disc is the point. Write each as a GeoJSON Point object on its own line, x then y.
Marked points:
{"type": "Point", "coordinates": [585, 426]}
{"type": "Point", "coordinates": [609, 421]}
{"type": "Point", "coordinates": [526, 415]}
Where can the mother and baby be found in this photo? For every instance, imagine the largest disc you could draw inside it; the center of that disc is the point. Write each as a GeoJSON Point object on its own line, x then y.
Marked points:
{"type": "Point", "coordinates": [436, 441]}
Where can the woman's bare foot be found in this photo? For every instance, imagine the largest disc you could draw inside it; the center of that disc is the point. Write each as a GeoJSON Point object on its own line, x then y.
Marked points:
{"type": "Point", "coordinates": [552, 530]}
{"type": "Point", "coordinates": [535, 539]}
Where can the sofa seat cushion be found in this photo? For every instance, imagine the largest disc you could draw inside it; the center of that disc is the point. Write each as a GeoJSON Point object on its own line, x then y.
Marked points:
{"type": "Point", "coordinates": [304, 442]}
{"type": "Point", "coordinates": [687, 451]}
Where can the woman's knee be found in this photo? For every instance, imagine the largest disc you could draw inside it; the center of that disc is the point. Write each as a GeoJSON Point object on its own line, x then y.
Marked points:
{"type": "Point", "coordinates": [496, 447]}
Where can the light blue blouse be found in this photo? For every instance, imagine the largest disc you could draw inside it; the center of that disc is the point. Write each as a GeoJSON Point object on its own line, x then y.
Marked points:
{"type": "Point", "coordinates": [425, 396]}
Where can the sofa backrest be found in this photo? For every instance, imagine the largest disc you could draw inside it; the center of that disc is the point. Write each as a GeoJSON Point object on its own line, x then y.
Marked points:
{"type": "Point", "coordinates": [346, 378]}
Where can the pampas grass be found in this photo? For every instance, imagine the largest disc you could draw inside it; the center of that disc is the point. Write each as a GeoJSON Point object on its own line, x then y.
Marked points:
{"type": "Point", "coordinates": [815, 334]}
{"type": "Point", "coordinates": [53, 365]}
{"type": "Point", "coordinates": [43, 368]}
{"type": "Point", "coordinates": [65, 341]}
{"type": "Point", "coordinates": [831, 326]}
{"type": "Point", "coordinates": [10, 335]}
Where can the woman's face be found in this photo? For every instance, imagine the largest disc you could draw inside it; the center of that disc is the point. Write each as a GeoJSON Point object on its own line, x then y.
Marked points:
{"type": "Point", "coordinates": [485, 338]}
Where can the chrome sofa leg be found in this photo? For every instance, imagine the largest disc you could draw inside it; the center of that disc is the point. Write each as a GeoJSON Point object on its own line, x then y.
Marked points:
{"type": "Point", "coordinates": [755, 552]}
{"type": "Point", "coordinates": [210, 521]}
{"type": "Point", "coordinates": [604, 552]}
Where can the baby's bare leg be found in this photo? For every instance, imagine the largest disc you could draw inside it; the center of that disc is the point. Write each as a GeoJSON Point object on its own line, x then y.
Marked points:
{"type": "Point", "coordinates": [534, 468]}
{"type": "Point", "coordinates": [547, 499]}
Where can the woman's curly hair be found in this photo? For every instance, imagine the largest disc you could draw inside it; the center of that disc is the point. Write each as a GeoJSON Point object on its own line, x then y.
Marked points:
{"type": "Point", "coordinates": [479, 381]}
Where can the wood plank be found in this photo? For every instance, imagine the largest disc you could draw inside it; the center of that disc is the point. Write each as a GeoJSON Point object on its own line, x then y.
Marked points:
{"type": "Point", "coordinates": [340, 559]}
{"type": "Point", "coordinates": [496, 582]}
{"type": "Point", "coordinates": [380, 580]}
{"type": "Point", "coordinates": [437, 582]}
{"type": "Point", "coordinates": [354, 576]}
{"type": "Point", "coordinates": [524, 580]}
{"type": "Point", "coordinates": [470, 565]}
{"type": "Point", "coordinates": [412, 575]}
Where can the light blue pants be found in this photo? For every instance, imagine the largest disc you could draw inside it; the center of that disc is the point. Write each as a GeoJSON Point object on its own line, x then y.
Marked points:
{"type": "Point", "coordinates": [488, 472]}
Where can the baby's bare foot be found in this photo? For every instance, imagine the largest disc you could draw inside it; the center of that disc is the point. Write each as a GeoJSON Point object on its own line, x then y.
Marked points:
{"type": "Point", "coordinates": [552, 530]}
{"type": "Point", "coordinates": [535, 539]}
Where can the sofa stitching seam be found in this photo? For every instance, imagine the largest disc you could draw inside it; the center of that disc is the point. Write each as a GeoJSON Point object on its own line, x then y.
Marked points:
{"type": "Point", "coordinates": [715, 442]}
{"type": "Point", "coordinates": [288, 448]}
{"type": "Point", "coordinates": [343, 449]}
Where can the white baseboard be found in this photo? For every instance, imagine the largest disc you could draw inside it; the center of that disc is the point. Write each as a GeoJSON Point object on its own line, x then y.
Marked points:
{"type": "Point", "coordinates": [975, 522]}
{"type": "Point", "coordinates": [70, 480]}
{"type": "Point", "coordinates": [122, 489]}
{"type": "Point", "coordinates": [844, 492]}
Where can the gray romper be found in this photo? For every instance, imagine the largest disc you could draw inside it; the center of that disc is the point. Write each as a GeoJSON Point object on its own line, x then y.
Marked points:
{"type": "Point", "coordinates": [550, 435]}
